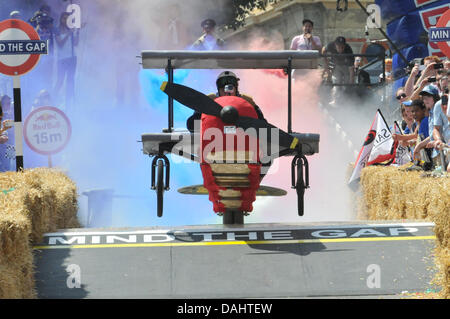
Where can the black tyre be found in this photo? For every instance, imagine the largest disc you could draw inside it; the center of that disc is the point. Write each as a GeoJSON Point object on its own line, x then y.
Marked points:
{"type": "Point", "coordinates": [160, 188]}
{"type": "Point", "coordinates": [238, 217]}
{"type": "Point", "coordinates": [233, 217]}
{"type": "Point", "coordinates": [301, 197]}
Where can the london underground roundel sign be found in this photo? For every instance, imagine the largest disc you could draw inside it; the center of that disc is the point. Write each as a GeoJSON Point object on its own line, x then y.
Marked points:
{"type": "Point", "coordinates": [20, 47]}
{"type": "Point", "coordinates": [444, 22]}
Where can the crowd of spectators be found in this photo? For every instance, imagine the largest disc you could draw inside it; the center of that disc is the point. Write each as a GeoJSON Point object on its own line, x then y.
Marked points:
{"type": "Point", "coordinates": [422, 101]}
{"type": "Point", "coordinates": [425, 97]}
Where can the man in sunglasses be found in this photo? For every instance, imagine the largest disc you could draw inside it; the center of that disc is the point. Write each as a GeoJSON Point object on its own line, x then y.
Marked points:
{"type": "Point", "coordinates": [227, 84]}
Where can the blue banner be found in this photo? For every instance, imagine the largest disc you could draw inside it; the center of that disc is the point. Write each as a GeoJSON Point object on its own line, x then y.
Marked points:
{"type": "Point", "coordinates": [415, 51]}
{"type": "Point", "coordinates": [394, 9]}
{"type": "Point", "coordinates": [410, 22]}
{"type": "Point", "coordinates": [406, 30]}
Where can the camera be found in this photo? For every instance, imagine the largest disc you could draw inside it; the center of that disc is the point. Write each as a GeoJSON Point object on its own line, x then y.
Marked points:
{"type": "Point", "coordinates": [42, 19]}
{"type": "Point", "coordinates": [438, 66]}
{"type": "Point", "coordinates": [413, 63]}
{"type": "Point", "coordinates": [432, 79]}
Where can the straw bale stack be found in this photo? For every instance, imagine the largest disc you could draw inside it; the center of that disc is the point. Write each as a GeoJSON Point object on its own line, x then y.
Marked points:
{"type": "Point", "coordinates": [32, 203]}
{"type": "Point", "coordinates": [393, 193]}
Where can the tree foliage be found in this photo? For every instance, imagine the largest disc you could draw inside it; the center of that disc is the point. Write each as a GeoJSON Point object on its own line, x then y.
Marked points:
{"type": "Point", "coordinates": [240, 9]}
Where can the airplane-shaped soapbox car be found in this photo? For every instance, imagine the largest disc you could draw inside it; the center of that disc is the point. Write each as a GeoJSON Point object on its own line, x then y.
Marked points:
{"type": "Point", "coordinates": [232, 172]}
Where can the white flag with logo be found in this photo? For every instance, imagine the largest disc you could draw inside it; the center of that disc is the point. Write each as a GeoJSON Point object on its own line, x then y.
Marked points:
{"type": "Point", "coordinates": [377, 148]}
{"type": "Point", "coordinates": [403, 153]}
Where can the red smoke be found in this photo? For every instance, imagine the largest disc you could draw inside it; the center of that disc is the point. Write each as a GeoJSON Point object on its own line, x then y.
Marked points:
{"type": "Point", "coordinates": [327, 197]}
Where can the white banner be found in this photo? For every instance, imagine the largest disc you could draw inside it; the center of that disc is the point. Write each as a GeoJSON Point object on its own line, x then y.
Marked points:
{"type": "Point", "coordinates": [402, 154]}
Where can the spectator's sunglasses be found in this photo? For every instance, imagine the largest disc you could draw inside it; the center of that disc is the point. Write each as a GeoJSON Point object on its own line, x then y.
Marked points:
{"type": "Point", "coordinates": [401, 96]}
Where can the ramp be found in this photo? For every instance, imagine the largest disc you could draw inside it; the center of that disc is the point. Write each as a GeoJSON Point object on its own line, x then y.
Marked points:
{"type": "Point", "coordinates": [252, 261]}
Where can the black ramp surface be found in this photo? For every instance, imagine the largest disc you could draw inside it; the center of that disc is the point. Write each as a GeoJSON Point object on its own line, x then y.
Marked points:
{"type": "Point", "coordinates": [253, 261]}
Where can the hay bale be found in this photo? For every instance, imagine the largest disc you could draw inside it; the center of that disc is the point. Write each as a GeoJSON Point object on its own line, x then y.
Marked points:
{"type": "Point", "coordinates": [32, 202]}
{"type": "Point", "coordinates": [391, 193]}
{"type": "Point", "coordinates": [443, 277]}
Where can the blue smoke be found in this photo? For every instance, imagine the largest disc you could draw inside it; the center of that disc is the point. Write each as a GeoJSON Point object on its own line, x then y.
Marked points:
{"type": "Point", "coordinates": [104, 151]}
{"type": "Point", "coordinates": [182, 174]}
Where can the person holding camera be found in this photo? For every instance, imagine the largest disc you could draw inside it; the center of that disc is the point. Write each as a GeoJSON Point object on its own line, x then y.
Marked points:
{"type": "Point", "coordinates": [422, 74]}
{"type": "Point", "coordinates": [426, 73]}
{"type": "Point", "coordinates": [44, 10]}
{"type": "Point", "coordinates": [43, 23]}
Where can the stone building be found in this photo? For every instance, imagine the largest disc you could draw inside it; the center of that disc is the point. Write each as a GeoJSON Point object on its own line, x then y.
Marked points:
{"type": "Point", "coordinates": [284, 18]}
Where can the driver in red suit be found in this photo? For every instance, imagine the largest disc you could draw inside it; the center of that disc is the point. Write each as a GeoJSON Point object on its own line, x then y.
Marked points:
{"type": "Point", "coordinates": [222, 193]}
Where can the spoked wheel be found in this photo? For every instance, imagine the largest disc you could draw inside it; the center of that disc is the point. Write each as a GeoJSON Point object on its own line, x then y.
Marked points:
{"type": "Point", "coordinates": [233, 217]}
{"type": "Point", "coordinates": [160, 188]}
